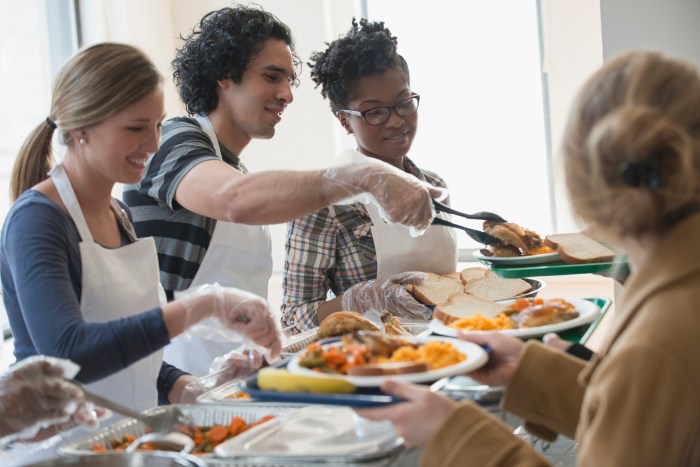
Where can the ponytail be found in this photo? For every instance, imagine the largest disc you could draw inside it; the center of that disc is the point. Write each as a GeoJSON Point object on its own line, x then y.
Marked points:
{"type": "Point", "coordinates": [94, 84]}
{"type": "Point", "coordinates": [34, 160]}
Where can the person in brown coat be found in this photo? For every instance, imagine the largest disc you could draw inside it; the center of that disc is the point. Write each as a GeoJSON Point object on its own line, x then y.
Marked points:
{"type": "Point", "coordinates": [632, 164]}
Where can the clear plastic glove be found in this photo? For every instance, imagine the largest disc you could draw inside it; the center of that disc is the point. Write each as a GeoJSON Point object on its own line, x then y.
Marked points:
{"type": "Point", "coordinates": [244, 316]}
{"type": "Point", "coordinates": [237, 364]}
{"type": "Point", "coordinates": [240, 362]}
{"type": "Point", "coordinates": [34, 395]}
{"type": "Point", "coordinates": [400, 197]}
{"type": "Point", "coordinates": [387, 293]}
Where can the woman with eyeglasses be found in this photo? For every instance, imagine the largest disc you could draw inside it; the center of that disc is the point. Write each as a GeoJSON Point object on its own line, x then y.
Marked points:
{"type": "Point", "coordinates": [349, 249]}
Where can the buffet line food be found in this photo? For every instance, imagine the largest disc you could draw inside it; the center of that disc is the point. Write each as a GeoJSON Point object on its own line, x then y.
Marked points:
{"type": "Point", "coordinates": [523, 313]}
{"type": "Point", "coordinates": [205, 438]}
{"type": "Point", "coordinates": [370, 354]}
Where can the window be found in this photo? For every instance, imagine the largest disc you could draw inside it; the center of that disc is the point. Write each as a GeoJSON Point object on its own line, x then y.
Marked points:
{"type": "Point", "coordinates": [37, 39]}
{"type": "Point", "coordinates": [482, 127]}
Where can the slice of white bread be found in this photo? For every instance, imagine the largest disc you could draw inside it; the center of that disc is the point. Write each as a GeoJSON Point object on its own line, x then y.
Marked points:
{"type": "Point", "coordinates": [453, 275]}
{"type": "Point", "coordinates": [469, 274]}
{"type": "Point", "coordinates": [577, 248]}
{"type": "Point", "coordinates": [465, 305]}
{"type": "Point", "coordinates": [436, 289]}
{"type": "Point", "coordinates": [494, 287]}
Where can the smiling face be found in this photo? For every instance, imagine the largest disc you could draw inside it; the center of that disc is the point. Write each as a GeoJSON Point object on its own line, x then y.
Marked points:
{"type": "Point", "coordinates": [252, 108]}
{"type": "Point", "coordinates": [117, 148]}
{"type": "Point", "coordinates": [392, 140]}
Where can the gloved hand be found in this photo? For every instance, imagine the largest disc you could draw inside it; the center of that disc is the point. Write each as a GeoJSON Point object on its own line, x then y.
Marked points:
{"type": "Point", "coordinates": [387, 293]}
{"type": "Point", "coordinates": [34, 394]}
{"type": "Point", "coordinates": [239, 363]}
{"type": "Point", "coordinates": [244, 316]}
{"type": "Point", "coordinates": [401, 197]}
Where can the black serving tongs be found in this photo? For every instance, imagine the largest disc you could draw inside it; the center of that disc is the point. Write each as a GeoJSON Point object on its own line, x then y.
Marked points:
{"type": "Point", "coordinates": [478, 235]}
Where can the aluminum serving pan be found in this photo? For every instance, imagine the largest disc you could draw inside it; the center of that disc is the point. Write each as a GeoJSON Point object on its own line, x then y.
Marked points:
{"type": "Point", "coordinates": [137, 459]}
{"type": "Point", "coordinates": [202, 415]}
{"type": "Point", "coordinates": [298, 342]}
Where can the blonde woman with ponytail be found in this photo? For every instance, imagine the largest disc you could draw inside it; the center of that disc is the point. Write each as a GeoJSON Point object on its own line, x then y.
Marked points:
{"type": "Point", "coordinates": [632, 163]}
{"type": "Point", "coordinates": [77, 283]}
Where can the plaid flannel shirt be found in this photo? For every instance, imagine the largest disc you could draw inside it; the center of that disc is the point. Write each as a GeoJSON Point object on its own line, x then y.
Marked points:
{"type": "Point", "coordinates": [330, 250]}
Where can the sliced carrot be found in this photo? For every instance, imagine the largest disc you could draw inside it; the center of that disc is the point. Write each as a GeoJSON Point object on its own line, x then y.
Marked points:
{"type": "Point", "coordinates": [237, 426]}
{"type": "Point", "coordinates": [217, 434]}
{"type": "Point", "coordinates": [520, 304]}
{"type": "Point", "coordinates": [98, 448]}
{"type": "Point", "coordinates": [262, 420]}
{"type": "Point", "coordinates": [198, 437]}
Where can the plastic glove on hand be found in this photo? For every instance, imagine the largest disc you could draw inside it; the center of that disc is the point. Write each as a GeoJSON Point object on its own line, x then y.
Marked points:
{"type": "Point", "coordinates": [387, 293]}
{"type": "Point", "coordinates": [239, 363]}
{"type": "Point", "coordinates": [245, 316]}
{"type": "Point", "coordinates": [401, 197]}
{"type": "Point", "coordinates": [34, 394]}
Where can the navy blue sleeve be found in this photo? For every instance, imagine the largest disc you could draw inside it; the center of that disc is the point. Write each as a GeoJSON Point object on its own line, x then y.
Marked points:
{"type": "Point", "coordinates": [41, 276]}
{"type": "Point", "coordinates": [166, 378]}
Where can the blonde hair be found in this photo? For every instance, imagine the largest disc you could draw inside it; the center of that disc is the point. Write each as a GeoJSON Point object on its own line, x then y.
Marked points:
{"type": "Point", "coordinates": [631, 148]}
{"type": "Point", "coordinates": [94, 84]}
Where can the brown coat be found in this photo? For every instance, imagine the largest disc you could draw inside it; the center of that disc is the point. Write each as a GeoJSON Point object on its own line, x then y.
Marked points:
{"type": "Point", "coordinates": [636, 403]}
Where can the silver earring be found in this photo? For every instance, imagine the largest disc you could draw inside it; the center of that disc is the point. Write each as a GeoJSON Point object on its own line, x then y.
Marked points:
{"type": "Point", "coordinates": [81, 141]}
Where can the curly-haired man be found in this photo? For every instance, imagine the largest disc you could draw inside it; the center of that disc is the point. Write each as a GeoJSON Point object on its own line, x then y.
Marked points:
{"type": "Point", "coordinates": [235, 74]}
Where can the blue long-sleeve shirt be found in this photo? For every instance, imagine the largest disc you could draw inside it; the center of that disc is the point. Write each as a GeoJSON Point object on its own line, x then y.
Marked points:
{"type": "Point", "coordinates": [41, 276]}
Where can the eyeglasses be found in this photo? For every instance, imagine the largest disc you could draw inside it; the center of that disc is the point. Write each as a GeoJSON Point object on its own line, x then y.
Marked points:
{"type": "Point", "coordinates": [380, 115]}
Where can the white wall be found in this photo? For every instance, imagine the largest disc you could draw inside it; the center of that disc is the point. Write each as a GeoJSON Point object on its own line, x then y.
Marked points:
{"type": "Point", "coordinates": [572, 51]}
{"type": "Point", "coordinates": [670, 26]}
{"type": "Point", "coordinates": [580, 34]}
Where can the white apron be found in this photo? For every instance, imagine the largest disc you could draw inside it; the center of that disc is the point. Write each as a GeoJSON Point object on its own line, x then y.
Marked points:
{"type": "Point", "coordinates": [117, 283]}
{"type": "Point", "coordinates": [238, 256]}
{"type": "Point", "coordinates": [397, 251]}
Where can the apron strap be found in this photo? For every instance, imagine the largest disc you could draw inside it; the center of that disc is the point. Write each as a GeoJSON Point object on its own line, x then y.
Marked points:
{"type": "Point", "coordinates": [123, 219]}
{"type": "Point", "coordinates": [67, 195]}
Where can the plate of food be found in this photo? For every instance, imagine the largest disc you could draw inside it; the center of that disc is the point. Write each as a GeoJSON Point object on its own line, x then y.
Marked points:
{"type": "Point", "coordinates": [525, 317]}
{"type": "Point", "coordinates": [366, 359]}
{"type": "Point", "coordinates": [515, 245]}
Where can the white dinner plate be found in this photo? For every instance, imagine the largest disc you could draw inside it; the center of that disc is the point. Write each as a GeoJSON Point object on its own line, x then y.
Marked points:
{"type": "Point", "coordinates": [518, 260]}
{"type": "Point", "coordinates": [588, 311]}
{"type": "Point", "coordinates": [476, 358]}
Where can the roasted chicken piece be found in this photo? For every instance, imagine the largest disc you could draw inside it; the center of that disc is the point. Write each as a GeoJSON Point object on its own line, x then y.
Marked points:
{"type": "Point", "coordinates": [541, 315]}
{"type": "Point", "coordinates": [379, 344]}
{"type": "Point", "coordinates": [392, 325]}
{"type": "Point", "coordinates": [514, 239]}
{"type": "Point", "coordinates": [344, 322]}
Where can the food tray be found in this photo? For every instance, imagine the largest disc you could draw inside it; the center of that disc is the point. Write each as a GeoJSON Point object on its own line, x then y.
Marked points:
{"type": "Point", "coordinates": [558, 268]}
{"type": "Point", "coordinates": [581, 334]}
{"type": "Point", "coordinates": [203, 415]}
{"type": "Point", "coordinates": [315, 434]}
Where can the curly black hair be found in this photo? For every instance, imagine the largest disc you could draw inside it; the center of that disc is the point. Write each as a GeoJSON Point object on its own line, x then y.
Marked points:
{"type": "Point", "coordinates": [221, 47]}
{"type": "Point", "coordinates": [368, 48]}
